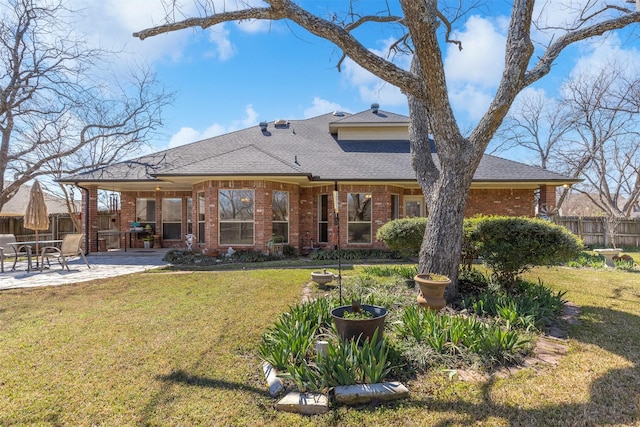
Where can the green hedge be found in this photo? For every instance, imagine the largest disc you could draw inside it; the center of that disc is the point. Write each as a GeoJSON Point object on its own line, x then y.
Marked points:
{"type": "Point", "coordinates": [508, 245]}
{"type": "Point", "coordinates": [403, 235]}
{"type": "Point", "coordinates": [512, 245]}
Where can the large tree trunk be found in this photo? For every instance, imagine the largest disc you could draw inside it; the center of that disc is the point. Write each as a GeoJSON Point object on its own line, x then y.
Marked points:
{"type": "Point", "coordinates": [445, 184]}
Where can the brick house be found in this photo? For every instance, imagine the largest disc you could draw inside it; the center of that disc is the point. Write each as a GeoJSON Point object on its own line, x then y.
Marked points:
{"type": "Point", "coordinates": [275, 182]}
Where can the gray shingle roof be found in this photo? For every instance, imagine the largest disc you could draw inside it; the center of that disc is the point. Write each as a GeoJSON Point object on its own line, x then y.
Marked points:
{"type": "Point", "coordinates": [304, 148]}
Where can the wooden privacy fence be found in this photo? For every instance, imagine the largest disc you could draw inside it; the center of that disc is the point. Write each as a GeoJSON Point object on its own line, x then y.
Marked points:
{"type": "Point", "coordinates": [593, 230]}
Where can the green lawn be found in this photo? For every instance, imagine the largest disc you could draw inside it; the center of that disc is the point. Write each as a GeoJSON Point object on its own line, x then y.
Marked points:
{"type": "Point", "coordinates": [180, 349]}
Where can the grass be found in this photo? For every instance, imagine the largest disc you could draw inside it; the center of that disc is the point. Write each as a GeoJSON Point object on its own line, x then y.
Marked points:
{"type": "Point", "coordinates": [176, 348]}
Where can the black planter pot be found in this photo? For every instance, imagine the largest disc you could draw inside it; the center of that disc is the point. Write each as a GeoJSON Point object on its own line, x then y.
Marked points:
{"type": "Point", "coordinates": [359, 328]}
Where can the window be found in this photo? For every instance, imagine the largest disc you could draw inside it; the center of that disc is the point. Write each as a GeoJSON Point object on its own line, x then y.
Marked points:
{"type": "Point", "coordinates": [414, 206]}
{"type": "Point", "coordinates": [395, 206]}
{"type": "Point", "coordinates": [189, 215]}
{"type": "Point", "coordinates": [280, 219]}
{"type": "Point", "coordinates": [172, 219]}
{"type": "Point", "coordinates": [323, 218]}
{"type": "Point", "coordinates": [200, 217]}
{"type": "Point", "coordinates": [359, 218]}
{"type": "Point", "coordinates": [146, 212]}
{"type": "Point", "coordinates": [235, 215]}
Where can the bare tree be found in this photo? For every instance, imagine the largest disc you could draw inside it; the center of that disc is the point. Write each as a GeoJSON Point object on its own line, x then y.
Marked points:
{"type": "Point", "coordinates": [427, 23]}
{"type": "Point", "coordinates": [59, 112]}
{"type": "Point", "coordinates": [536, 124]}
{"type": "Point", "coordinates": [602, 147]}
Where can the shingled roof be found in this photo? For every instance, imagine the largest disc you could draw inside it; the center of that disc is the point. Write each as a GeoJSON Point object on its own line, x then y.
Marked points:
{"type": "Point", "coordinates": [308, 149]}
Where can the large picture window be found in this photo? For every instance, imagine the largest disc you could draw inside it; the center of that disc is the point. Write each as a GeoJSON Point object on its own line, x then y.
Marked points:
{"type": "Point", "coordinates": [359, 218]}
{"type": "Point", "coordinates": [146, 212]}
{"type": "Point", "coordinates": [235, 217]}
{"type": "Point", "coordinates": [171, 219]}
{"type": "Point", "coordinates": [280, 219]}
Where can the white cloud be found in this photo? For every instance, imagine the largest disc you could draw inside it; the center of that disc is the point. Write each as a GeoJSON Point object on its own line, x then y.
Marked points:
{"type": "Point", "coordinates": [321, 106]}
{"type": "Point", "coordinates": [219, 36]}
{"type": "Point", "coordinates": [187, 135]}
{"type": "Point", "coordinates": [111, 24]}
{"type": "Point", "coordinates": [370, 87]}
{"type": "Point", "coordinates": [471, 100]}
{"type": "Point", "coordinates": [481, 60]}
{"type": "Point", "coordinates": [599, 53]}
{"type": "Point", "coordinates": [251, 119]}
{"type": "Point", "coordinates": [474, 72]}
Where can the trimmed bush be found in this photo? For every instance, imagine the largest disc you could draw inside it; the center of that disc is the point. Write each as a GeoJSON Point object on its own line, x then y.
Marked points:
{"type": "Point", "coordinates": [404, 235]}
{"type": "Point", "coordinates": [512, 245]}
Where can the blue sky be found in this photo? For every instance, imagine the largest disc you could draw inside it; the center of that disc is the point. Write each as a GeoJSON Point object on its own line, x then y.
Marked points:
{"type": "Point", "coordinates": [235, 75]}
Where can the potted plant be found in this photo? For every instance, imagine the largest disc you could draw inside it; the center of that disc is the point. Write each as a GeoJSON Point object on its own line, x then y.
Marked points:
{"type": "Point", "coordinates": [148, 242]}
{"type": "Point", "coordinates": [432, 287]}
{"type": "Point", "coordinates": [359, 321]}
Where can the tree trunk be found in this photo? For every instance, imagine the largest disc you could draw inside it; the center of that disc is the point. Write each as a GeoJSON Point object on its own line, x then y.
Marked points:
{"type": "Point", "coordinates": [446, 189]}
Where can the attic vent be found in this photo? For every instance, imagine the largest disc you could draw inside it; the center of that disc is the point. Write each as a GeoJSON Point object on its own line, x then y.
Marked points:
{"type": "Point", "coordinates": [338, 113]}
{"type": "Point", "coordinates": [263, 127]}
{"type": "Point", "coordinates": [281, 124]}
{"type": "Point", "coordinates": [374, 108]}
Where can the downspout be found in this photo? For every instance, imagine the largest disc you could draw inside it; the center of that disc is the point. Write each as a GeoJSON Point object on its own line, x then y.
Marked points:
{"type": "Point", "coordinates": [86, 218]}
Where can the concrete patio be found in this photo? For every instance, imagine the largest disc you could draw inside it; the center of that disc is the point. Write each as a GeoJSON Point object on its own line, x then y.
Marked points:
{"type": "Point", "coordinates": [103, 265]}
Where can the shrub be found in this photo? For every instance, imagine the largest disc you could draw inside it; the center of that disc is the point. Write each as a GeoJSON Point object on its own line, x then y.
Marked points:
{"type": "Point", "coordinates": [354, 254]}
{"type": "Point", "coordinates": [456, 334]}
{"type": "Point", "coordinates": [404, 235]}
{"type": "Point", "coordinates": [586, 259]}
{"type": "Point", "coordinates": [512, 245]}
{"type": "Point", "coordinates": [529, 306]}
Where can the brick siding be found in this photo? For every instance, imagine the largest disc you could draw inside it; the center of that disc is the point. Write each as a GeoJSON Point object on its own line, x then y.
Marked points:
{"type": "Point", "coordinates": [304, 211]}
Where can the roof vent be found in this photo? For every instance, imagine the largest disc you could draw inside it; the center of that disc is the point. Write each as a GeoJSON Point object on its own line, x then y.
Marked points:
{"type": "Point", "coordinates": [338, 113]}
{"type": "Point", "coordinates": [374, 108]}
{"type": "Point", "coordinates": [263, 127]}
{"type": "Point", "coordinates": [281, 124]}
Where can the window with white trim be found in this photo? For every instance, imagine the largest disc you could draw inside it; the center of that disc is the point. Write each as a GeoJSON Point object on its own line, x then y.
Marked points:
{"type": "Point", "coordinates": [146, 212]}
{"type": "Point", "coordinates": [280, 218]}
{"type": "Point", "coordinates": [235, 217]}
{"type": "Point", "coordinates": [172, 218]}
{"type": "Point", "coordinates": [359, 217]}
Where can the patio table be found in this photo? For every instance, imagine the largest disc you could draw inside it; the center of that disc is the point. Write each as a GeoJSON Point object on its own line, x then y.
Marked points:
{"type": "Point", "coordinates": [28, 246]}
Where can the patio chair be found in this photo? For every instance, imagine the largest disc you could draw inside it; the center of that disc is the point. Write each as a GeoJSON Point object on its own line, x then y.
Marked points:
{"type": "Point", "coordinates": [7, 250]}
{"type": "Point", "coordinates": [70, 247]}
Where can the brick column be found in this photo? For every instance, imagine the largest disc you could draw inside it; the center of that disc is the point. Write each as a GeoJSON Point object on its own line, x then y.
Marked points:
{"type": "Point", "coordinates": [547, 198]}
{"type": "Point", "coordinates": [92, 222]}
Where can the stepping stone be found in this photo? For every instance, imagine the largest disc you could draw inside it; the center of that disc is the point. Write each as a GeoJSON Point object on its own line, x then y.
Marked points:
{"type": "Point", "coordinates": [304, 403]}
{"type": "Point", "coordinates": [363, 393]}
{"type": "Point", "coordinates": [274, 383]}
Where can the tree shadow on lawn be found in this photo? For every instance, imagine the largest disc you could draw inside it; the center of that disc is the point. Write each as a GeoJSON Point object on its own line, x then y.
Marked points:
{"type": "Point", "coordinates": [614, 397]}
{"type": "Point", "coordinates": [182, 377]}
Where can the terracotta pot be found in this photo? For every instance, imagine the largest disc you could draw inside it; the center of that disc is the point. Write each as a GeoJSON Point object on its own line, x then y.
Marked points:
{"type": "Point", "coordinates": [359, 328]}
{"type": "Point", "coordinates": [431, 294]}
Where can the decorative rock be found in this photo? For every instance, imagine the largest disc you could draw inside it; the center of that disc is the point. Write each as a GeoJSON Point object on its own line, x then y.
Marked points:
{"type": "Point", "coordinates": [274, 383]}
{"type": "Point", "coordinates": [304, 403]}
{"type": "Point", "coordinates": [363, 393]}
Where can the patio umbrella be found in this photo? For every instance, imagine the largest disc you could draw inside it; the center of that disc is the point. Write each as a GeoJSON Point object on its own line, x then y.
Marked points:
{"type": "Point", "coordinates": [36, 216]}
